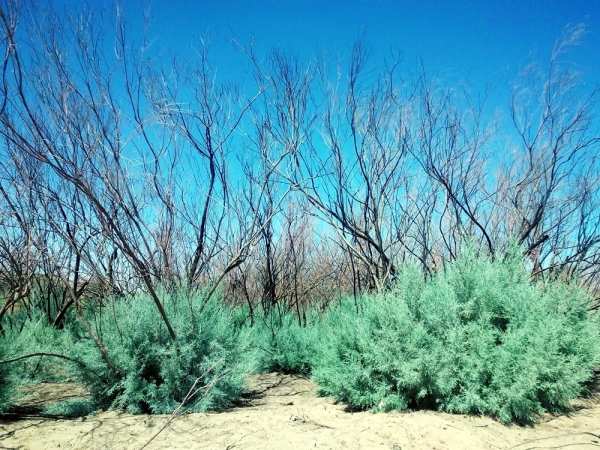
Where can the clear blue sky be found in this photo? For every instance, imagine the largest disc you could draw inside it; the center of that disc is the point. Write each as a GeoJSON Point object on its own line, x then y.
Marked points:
{"type": "Point", "coordinates": [482, 44]}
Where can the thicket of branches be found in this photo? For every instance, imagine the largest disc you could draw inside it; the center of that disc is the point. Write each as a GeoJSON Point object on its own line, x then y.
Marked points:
{"type": "Point", "coordinates": [123, 172]}
{"type": "Point", "coordinates": [165, 230]}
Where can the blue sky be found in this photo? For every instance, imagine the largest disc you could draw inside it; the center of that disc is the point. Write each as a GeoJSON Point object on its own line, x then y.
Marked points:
{"type": "Point", "coordinates": [484, 43]}
{"type": "Point", "coordinates": [478, 41]}
{"type": "Point", "coordinates": [479, 44]}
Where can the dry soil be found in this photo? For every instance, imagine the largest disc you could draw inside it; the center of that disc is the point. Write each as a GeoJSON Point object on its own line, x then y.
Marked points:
{"type": "Point", "coordinates": [283, 412]}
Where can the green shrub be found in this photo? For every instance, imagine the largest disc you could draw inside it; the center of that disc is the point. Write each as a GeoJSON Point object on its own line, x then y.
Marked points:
{"type": "Point", "coordinates": [77, 407]}
{"type": "Point", "coordinates": [38, 336]}
{"type": "Point", "coordinates": [6, 387]}
{"type": "Point", "coordinates": [32, 335]}
{"type": "Point", "coordinates": [479, 338]}
{"type": "Point", "coordinates": [143, 371]}
{"type": "Point", "coordinates": [285, 345]}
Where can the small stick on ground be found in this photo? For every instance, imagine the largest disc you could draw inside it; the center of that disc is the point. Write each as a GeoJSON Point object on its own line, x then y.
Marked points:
{"type": "Point", "coordinates": [191, 394]}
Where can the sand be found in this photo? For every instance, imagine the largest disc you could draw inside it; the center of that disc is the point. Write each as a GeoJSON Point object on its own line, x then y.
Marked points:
{"type": "Point", "coordinates": [283, 412]}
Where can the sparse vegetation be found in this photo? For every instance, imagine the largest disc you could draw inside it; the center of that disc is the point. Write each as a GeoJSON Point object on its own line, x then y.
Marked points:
{"type": "Point", "coordinates": [166, 233]}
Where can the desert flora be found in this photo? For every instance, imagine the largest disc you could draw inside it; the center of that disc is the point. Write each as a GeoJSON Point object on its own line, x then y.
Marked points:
{"type": "Point", "coordinates": [285, 345]}
{"type": "Point", "coordinates": [478, 337]}
{"type": "Point", "coordinates": [33, 336]}
{"type": "Point", "coordinates": [6, 387]}
{"type": "Point", "coordinates": [76, 407]}
{"type": "Point", "coordinates": [134, 365]}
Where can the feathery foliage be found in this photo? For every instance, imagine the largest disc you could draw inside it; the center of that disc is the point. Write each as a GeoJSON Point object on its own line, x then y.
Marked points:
{"type": "Point", "coordinates": [6, 387]}
{"type": "Point", "coordinates": [77, 407]}
{"type": "Point", "coordinates": [285, 345]}
{"type": "Point", "coordinates": [139, 368]}
{"type": "Point", "coordinates": [31, 336]}
{"type": "Point", "coordinates": [478, 337]}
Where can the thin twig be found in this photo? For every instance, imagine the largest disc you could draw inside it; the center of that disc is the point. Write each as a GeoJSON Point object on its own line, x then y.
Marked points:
{"type": "Point", "coordinates": [191, 393]}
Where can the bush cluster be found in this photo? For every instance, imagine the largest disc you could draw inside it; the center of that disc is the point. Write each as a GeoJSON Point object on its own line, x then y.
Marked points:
{"type": "Point", "coordinates": [285, 345]}
{"type": "Point", "coordinates": [28, 335]}
{"type": "Point", "coordinates": [6, 387]}
{"type": "Point", "coordinates": [140, 369]}
{"type": "Point", "coordinates": [70, 409]}
{"type": "Point", "coordinates": [478, 337]}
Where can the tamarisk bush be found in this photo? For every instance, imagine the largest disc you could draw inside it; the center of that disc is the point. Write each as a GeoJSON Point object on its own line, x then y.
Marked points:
{"type": "Point", "coordinates": [27, 355]}
{"type": "Point", "coordinates": [134, 365]}
{"type": "Point", "coordinates": [5, 384]}
{"type": "Point", "coordinates": [285, 345]}
{"type": "Point", "coordinates": [479, 337]}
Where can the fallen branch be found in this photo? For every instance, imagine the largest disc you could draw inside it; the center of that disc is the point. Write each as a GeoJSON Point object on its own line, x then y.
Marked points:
{"type": "Point", "coordinates": [54, 355]}
{"type": "Point", "coordinates": [191, 394]}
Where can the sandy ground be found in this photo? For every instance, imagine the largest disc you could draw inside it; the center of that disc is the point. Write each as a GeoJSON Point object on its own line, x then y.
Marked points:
{"type": "Point", "coordinates": [283, 412]}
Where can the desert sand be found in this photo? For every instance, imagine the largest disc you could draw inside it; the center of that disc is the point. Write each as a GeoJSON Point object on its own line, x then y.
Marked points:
{"type": "Point", "coordinates": [283, 412]}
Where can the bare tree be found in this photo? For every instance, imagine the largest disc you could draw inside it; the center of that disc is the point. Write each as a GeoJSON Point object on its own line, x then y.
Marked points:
{"type": "Point", "coordinates": [554, 174]}
{"type": "Point", "coordinates": [121, 171]}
